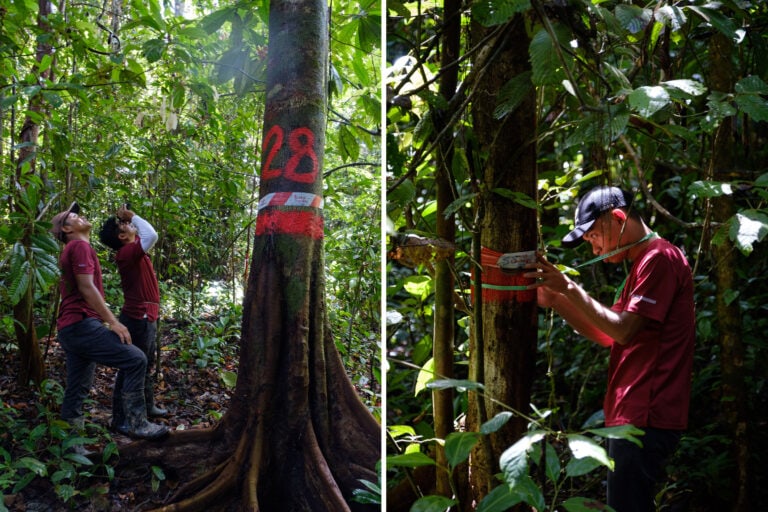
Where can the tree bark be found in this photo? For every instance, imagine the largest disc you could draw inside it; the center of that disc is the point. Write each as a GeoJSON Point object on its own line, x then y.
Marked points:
{"type": "Point", "coordinates": [734, 397]}
{"type": "Point", "coordinates": [296, 435]}
{"type": "Point", "coordinates": [31, 358]}
{"type": "Point", "coordinates": [509, 327]}
{"type": "Point", "coordinates": [443, 343]}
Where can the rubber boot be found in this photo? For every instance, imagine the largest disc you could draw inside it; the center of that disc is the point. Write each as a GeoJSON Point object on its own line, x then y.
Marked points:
{"type": "Point", "coordinates": [78, 428]}
{"type": "Point", "coordinates": [149, 398]}
{"type": "Point", "coordinates": [118, 424]}
{"type": "Point", "coordinates": [136, 414]}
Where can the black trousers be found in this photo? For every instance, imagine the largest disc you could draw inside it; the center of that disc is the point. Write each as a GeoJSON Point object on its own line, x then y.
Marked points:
{"type": "Point", "coordinates": [632, 483]}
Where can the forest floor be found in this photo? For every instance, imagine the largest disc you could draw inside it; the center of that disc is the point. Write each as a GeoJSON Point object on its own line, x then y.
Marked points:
{"type": "Point", "coordinates": [194, 397]}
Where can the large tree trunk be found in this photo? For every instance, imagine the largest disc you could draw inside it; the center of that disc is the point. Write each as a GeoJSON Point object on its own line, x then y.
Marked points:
{"type": "Point", "coordinates": [728, 314]}
{"type": "Point", "coordinates": [504, 356]}
{"type": "Point", "coordinates": [296, 435]}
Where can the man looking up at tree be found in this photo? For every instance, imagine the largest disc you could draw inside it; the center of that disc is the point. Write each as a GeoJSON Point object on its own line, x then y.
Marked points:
{"type": "Point", "coordinates": [650, 331]}
{"type": "Point", "coordinates": [133, 237]}
{"type": "Point", "coordinates": [84, 336]}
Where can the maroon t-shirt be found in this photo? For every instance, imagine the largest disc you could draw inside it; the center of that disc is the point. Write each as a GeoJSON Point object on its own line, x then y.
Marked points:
{"type": "Point", "coordinates": [649, 378]}
{"type": "Point", "coordinates": [78, 257]}
{"type": "Point", "coordinates": [137, 277]}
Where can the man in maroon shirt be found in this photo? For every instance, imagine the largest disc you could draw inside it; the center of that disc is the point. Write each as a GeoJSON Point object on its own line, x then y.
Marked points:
{"type": "Point", "coordinates": [86, 339]}
{"type": "Point", "coordinates": [650, 331]}
{"type": "Point", "coordinates": [133, 237]}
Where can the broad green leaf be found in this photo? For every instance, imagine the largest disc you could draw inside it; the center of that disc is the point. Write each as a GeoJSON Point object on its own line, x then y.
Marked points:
{"type": "Point", "coordinates": [579, 467]}
{"type": "Point", "coordinates": [514, 460]}
{"type": "Point", "coordinates": [512, 94]}
{"type": "Point", "coordinates": [495, 423]}
{"type": "Point", "coordinates": [753, 105]}
{"type": "Point", "coordinates": [153, 49]}
{"type": "Point", "coordinates": [709, 189]}
{"type": "Point", "coordinates": [672, 16]}
{"type": "Point", "coordinates": [500, 499]}
{"type": "Point", "coordinates": [747, 228]}
{"type": "Point", "coordinates": [628, 432]}
{"type": "Point", "coordinates": [426, 374]}
{"type": "Point", "coordinates": [691, 87]}
{"type": "Point", "coordinates": [419, 286]}
{"type": "Point", "coordinates": [458, 446]}
{"type": "Point", "coordinates": [582, 446]}
{"type": "Point", "coordinates": [349, 146]}
{"type": "Point", "coordinates": [460, 384]}
{"type": "Point", "coordinates": [578, 504]}
{"type": "Point", "coordinates": [647, 100]}
{"type": "Point", "coordinates": [518, 197]}
{"type": "Point", "coordinates": [719, 21]}
{"type": "Point", "coordinates": [79, 459]}
{"type": "Point", "coordinates": [396, 431]}
{"type": "Point", "coordinates": [545, 64]}
{"type": "Point", "coordinates": [33, 465]}
{"type": "Point", "coordinates": [432, 504]}
{"type": "Point", "coordinates": [229, 378]}
{"type": "Point", "coordinates": [751, 85]}
{"type": "Point", "coordinates": [409, 460]}
{"type": "Point", "coordinates": [495, 12]}
{"type": "Point", "coordinates": [633, 18]}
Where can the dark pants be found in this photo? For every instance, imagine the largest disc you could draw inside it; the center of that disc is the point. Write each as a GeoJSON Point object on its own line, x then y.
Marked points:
{"type": "Point", "coordinates": [632, 483]}
{"type": "Point", "coordinates": [86, 344]}
{"type": "Point", "coordinates": [143, 333]}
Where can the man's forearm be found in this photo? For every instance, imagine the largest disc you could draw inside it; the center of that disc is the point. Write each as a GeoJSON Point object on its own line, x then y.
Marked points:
{"type": "Point", "coordinates": [574, 316]}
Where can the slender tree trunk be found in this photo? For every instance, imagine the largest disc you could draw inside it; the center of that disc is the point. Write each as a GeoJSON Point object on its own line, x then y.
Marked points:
{"type": "Point", "coordinates": [509, 318]}
{"type": "Point", "coordinates": [728, 314]}
{"type": "Point", "coordinates": [32, 368]}
{"type": "Point", "coordinates": [442, 400]}
{"type": "Point", "coordinates": [296, 435]}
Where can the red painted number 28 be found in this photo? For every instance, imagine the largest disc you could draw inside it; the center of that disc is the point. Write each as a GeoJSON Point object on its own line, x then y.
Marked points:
{"type": "Point", "coordinates": [301, 142]}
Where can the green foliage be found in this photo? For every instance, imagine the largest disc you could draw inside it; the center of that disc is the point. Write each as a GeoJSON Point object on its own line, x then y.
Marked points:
{"type": "Point", "coordinates": [561, 457]}
{"type": "Point", "coordinates": [44, 449]}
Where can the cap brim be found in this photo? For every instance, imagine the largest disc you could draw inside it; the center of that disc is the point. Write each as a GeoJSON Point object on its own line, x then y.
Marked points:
{"type": "Point", "coordinates": [58, 228]}
{"type": "Point", "coordinates": [575, 237]}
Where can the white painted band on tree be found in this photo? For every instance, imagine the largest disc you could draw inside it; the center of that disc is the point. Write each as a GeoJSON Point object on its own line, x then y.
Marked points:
{"type": "Point", "coordinates": [291, 199]}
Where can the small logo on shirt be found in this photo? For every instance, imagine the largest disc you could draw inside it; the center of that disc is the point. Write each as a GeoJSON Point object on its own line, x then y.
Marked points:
{"type": "Point", "coordinates": [646, 299]}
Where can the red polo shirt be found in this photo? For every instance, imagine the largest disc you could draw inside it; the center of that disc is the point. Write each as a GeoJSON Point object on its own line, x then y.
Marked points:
{"type": "Point", "coordinates": [649, 378]}
{"type": "Point", "coordinates": [78, 257]}
{"type": "Point", "coordinates": [139, 282]}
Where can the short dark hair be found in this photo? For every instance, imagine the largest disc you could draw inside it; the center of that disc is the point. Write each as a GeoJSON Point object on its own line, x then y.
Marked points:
{"type": "Point", "coordinates": [109, 233]}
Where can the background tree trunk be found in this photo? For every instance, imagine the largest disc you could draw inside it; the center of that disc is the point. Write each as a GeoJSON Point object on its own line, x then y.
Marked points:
{"type": "Point", "coordinates": [32, 368]}
{"type": "Point", "coordinates": [733, 399]}
{"type": "Point", "coordinates": [509, 325]}
{"type": "Point", "coordinates": [443, 343]}
{"type": "Point", "coordinates": [296, 436]}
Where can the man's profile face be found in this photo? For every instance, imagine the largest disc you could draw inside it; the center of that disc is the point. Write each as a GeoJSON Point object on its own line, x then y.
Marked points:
{"type": "Point", "coordinates": [604, 235]}
{"type": "Point", "coordinates": [76, 223]}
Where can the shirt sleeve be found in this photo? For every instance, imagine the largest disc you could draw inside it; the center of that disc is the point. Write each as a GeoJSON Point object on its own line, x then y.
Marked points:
{"type": "Point", "coordinates": [81, 259]}
{"type": "Point", "coordinates": [146, 232]}
{"type": "Point", "coordinates": [654, 289]}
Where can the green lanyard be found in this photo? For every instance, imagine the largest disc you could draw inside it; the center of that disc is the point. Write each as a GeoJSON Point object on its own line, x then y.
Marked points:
{"type": "Point", "coordinates": [613, 253]}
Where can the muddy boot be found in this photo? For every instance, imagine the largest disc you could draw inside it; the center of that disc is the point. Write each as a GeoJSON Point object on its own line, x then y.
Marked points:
{"type": "Point", "coordinates": [136, 414]}
{"type": "Point", "coordinates": [152, 409]}
{"type": "Point", "coordinates": [118, 424]}
{"type": "Point", "coordinates": [78, 429]}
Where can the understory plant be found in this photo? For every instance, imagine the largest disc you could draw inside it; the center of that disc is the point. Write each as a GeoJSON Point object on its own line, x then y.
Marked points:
{"type": "Point", "coordinates": [542, 459]}
{"type": "Point", "coordinates": [45, 448]}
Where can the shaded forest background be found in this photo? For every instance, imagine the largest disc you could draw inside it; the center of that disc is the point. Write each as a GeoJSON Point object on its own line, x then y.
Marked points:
{"type": "Point", "coordinates": [666, 100]}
